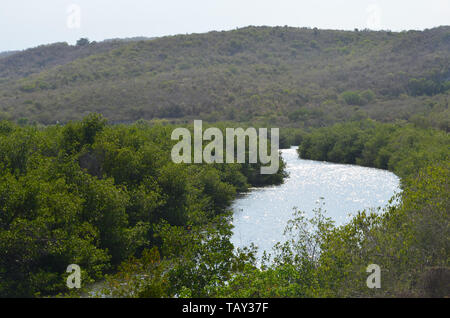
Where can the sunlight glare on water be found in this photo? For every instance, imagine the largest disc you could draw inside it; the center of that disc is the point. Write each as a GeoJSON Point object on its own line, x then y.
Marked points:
{"type": "Point", "coordinates": [261, 215]}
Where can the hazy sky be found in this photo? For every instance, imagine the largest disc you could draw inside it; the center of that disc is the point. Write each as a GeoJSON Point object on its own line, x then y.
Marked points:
{"type": "Point", "coordinates": [28, 23]}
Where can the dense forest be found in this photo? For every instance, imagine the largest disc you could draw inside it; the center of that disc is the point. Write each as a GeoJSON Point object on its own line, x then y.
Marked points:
{"type": "Point", "coordinates": [95, 195]}
{"type": "Point", "coordinates": [86, 175]}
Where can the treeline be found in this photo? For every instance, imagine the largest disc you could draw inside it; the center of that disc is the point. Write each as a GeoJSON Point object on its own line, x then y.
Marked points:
{"type": "Point", "coordinates": [408, 241]}
{"type": "Point", "coordinates": [403, 149]}
{"type": "Point", "coordinates": [94, 194]}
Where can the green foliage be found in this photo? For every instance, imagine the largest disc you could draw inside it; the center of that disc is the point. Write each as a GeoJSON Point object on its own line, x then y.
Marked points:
{"type": "Point", "coordinates": [358, 98]}
{"type": "Point", "coordinates": [402, 149]}
{"type": "Point", "coordinates": [97, 195]}
{"type": "Point", "coordinates": [352, 98]}
{"type": "Point", "coordinates": [423, 86]}
{"type": "Point", "coordinates": [109, 199]}
{"type": "Point", "coordinates": [83, 41]}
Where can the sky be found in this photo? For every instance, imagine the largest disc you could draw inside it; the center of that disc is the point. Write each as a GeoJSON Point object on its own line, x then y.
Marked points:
{"type": "Point", "coordinates": [28, 23]}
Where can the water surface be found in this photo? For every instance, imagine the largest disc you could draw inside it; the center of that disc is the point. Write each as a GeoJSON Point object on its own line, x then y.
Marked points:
{"type": "Point", "coordinates": [261, 215]}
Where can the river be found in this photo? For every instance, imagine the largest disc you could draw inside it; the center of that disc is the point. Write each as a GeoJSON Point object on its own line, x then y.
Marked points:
{"type": "Point", "coordinates": [261, 215]}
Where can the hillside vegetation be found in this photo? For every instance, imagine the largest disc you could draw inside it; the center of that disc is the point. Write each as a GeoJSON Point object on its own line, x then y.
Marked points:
{"type": "Point", "coordinates": [282, 75]}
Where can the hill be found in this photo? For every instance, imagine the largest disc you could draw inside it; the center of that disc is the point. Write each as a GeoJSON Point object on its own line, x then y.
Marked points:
{"type": "Point", "coordinates": [7, 53]}
{"type": "Point", "coordinates": [279, 75]}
